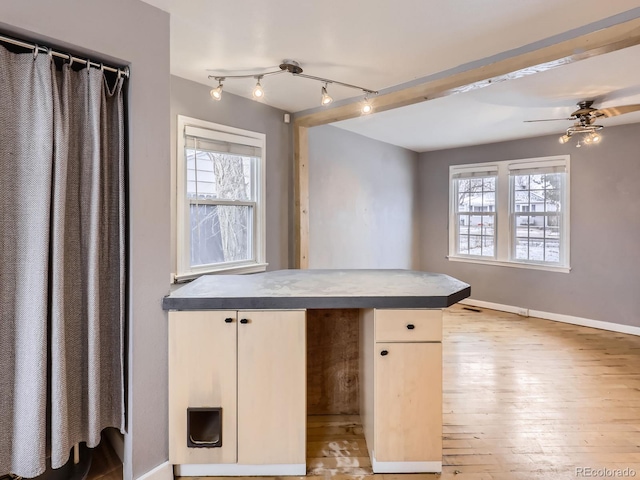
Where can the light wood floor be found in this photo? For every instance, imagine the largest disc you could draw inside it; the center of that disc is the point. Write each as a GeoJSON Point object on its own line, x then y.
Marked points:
{"type": "Point", "coordinates": [105, 464]}
{"type": "Point", "coordinates": [524, 398]}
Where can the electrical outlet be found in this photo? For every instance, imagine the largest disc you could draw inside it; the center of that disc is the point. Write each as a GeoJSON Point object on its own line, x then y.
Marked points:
{"type": "Point", "coordinates": [523, 312]}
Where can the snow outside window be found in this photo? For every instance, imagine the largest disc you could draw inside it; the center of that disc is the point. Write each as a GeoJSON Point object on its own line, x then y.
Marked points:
{"type": "Point", "coordinates": [512, 213]}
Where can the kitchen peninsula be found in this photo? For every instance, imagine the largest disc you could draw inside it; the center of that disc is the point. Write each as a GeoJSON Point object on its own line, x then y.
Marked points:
{"type": "Point", "coordinates": [237, 368]}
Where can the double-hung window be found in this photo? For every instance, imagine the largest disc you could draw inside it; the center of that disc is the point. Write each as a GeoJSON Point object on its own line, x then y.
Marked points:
{"type": "Point", "coordinates": [513, 213]}
{"type": "Point", "coordinates": [220, 199]}
{"type": "Point", "coordinates": [474, 202]}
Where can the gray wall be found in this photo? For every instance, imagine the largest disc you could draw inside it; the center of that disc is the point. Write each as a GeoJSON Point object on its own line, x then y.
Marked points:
{"type": "Point", "coordinates": [128, 32]}
{"type": "Point", "coordinates": [605, 229]}
{"type": "Point", "coordinates": [192, 99]}
{"type": "Point", "coordinates": [362, 202]}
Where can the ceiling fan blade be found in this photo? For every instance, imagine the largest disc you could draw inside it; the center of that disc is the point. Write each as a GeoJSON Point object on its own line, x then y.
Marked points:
{"type": "Point", "coordinates": [549, 120]}
{"type": "Point", "coordinates": [613, 111]}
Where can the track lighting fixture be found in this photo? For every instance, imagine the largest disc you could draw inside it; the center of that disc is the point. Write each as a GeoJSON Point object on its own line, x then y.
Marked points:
{"type": "Point", "coordinates": [366, 106]}
{"type": "Point", "coordinates": [294, 68]}
{"type": "Point", "coordinates": [326, 98]}
{"type": "Point", "coordinates": [258, 92]}
{"type": "Point", "coordinates": [216, 93]}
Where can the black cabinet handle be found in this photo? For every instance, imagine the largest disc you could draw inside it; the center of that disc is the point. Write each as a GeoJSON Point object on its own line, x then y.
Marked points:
{"type": "Point", "coordinates": [411, 326]}
{"type": "Point", "coordinates": [228, 320]}
{"type": "Point", "coordinates": [384, 352]}
{"type": "Point", "coordinates": [244, 320]}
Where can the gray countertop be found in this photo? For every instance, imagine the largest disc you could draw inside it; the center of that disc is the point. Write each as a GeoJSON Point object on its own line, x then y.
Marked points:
{"type": "Point", "coordinates": [289, 289]}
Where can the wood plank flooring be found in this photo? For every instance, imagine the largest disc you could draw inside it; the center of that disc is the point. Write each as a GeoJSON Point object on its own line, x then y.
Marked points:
{"type": "Point", "coordinates": [105, 464]}
{"type": "Point", "coordinates": [524, 398]}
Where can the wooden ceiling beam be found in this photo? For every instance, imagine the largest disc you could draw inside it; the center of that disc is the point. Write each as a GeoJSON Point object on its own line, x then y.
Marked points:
{"type": "Point", "coordinates": [603, 41]}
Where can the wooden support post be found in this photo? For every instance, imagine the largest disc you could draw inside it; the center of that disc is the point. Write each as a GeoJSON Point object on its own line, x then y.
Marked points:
{"type": "Point", "coordinates": [301, 192]}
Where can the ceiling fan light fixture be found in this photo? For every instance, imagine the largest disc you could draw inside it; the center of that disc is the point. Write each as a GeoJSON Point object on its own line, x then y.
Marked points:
{"type": "Point", "coordinates": [326, 98]}
{"type": "Point", "coordinates": [258, 91]}
{"type": "Point", "coordinates": [584, 119]}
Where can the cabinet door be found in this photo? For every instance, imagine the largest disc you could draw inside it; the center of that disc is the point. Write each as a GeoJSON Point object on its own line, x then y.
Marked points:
{"type": "Point", "coordinates": [202, 374]}
{"type": "Point", "coordinates": [408, 402]}
{"type": "Point", "coordinates": [272, 387]}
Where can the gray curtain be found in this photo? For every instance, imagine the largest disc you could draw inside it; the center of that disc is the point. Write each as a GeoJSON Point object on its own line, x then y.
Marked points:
{"type": "Point", "coordinates": [62, 268]}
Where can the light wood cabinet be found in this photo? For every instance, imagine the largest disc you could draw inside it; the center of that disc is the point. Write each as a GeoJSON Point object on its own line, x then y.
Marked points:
{"type": "Point", "coordinates": [408, 325]}
{"type": "Point", "coordinates": [401, 389]}
{"type": "Point", "coordinates": [272, 392]}
{"type": "Point", "coordinates": [252, 364]}
{"type": "Point", "coordinates": [202, 373]}
{"type": "Point", "coordinates": [408, 413]}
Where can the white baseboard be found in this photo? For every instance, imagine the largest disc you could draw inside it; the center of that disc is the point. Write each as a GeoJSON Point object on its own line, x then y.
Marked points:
{"type": "Point", "coordinates": [556, 317]}
{"type": "Point", "coordinates": [163, 471]}
{"type": "Point", "coordinates": [405, 467]}
{"type": "Point", "coordinates": [235, 470]}
{"type": "Point", "coordinates": [116, 439]}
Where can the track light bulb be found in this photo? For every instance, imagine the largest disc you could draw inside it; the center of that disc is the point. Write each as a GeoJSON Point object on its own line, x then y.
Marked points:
{"type": "Point", "coordinates": [258, 92]}
{"type": "Point", "coordinates": [216, 93]}
{"type": "Point", "coordinates": [564, 138]}
{"type": "Point", "coordinates": [326, 98]}
{"type": "Point", "coordinates": [366, 106]}
{"type": "Point", "coordinates": [595, 138]}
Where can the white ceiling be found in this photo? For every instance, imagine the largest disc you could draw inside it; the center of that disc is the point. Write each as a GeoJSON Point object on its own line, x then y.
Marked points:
{"type": "Point", "coordinates": [497, 113]}
{"type": "Point", "coordinates": [383, 43]}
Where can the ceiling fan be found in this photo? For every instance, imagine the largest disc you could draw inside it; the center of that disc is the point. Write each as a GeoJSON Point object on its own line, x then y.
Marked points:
{"type": "Point", "coordinates": [585, 118]}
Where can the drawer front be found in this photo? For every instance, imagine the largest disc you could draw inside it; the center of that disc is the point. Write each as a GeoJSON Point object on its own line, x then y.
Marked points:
{"type": "Point", "coordinates": [411, 325]}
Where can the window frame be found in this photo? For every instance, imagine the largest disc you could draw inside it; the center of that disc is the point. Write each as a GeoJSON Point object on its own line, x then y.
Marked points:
{"type": "Point", "coordinates": [184, 270]}
{"type": "Point", "coordinates": [477, 172]}
{"type": "Point", "coordinates": [505, 213]}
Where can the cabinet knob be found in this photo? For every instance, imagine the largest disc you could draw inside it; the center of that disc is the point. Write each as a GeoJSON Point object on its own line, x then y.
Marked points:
{"type": "Point", "coordinates": [228, 320]}
{"type": "Point", "coordinates": [244, 320]}
{"type": "Point", "coordinates": [384, 352]}
{"type": "Point", "coordinates": [411, 326]}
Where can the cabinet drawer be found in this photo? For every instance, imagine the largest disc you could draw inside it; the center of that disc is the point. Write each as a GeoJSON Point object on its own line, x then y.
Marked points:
{"type": "Point", "coordinates": [408, 325]}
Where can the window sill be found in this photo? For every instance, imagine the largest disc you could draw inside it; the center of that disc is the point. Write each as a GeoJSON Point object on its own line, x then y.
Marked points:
{"type": "Point", "coordinates": [226, 270]}
{"type": "Point", "coordinates": [502, 263]}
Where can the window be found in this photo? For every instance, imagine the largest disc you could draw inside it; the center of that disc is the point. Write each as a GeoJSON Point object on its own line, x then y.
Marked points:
{"type": "Point", "coordinates": [513, 213]}
{"type": "Point", "coordinates": [475, 197]}
{"type": "Point", "coordinates": [220, 199]}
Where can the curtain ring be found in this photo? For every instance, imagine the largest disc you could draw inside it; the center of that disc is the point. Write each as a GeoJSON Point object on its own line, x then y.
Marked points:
{"type": "Point", "coordinates": [36, 50]}
{"type": "Point", "coordinates": [102, 67]}
{"type": "Point", "coordinates": [119, 75]}
{"type": "Point", "coordinates": [88, 66]}
{"type": "Point", "coordinates": [50, 53]}
{"type": "Point", "coordinates": [70, 59]}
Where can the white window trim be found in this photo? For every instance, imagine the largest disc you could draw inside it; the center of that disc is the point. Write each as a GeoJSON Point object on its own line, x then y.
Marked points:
{"type": "Point", "coordinates": [184, 269]}
{"type": "Point", "coordinates": [503, 254]}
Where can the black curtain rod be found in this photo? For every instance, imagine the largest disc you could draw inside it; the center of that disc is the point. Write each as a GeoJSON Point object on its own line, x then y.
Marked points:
{"type": "Point", "coordinates": [39, 48]}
